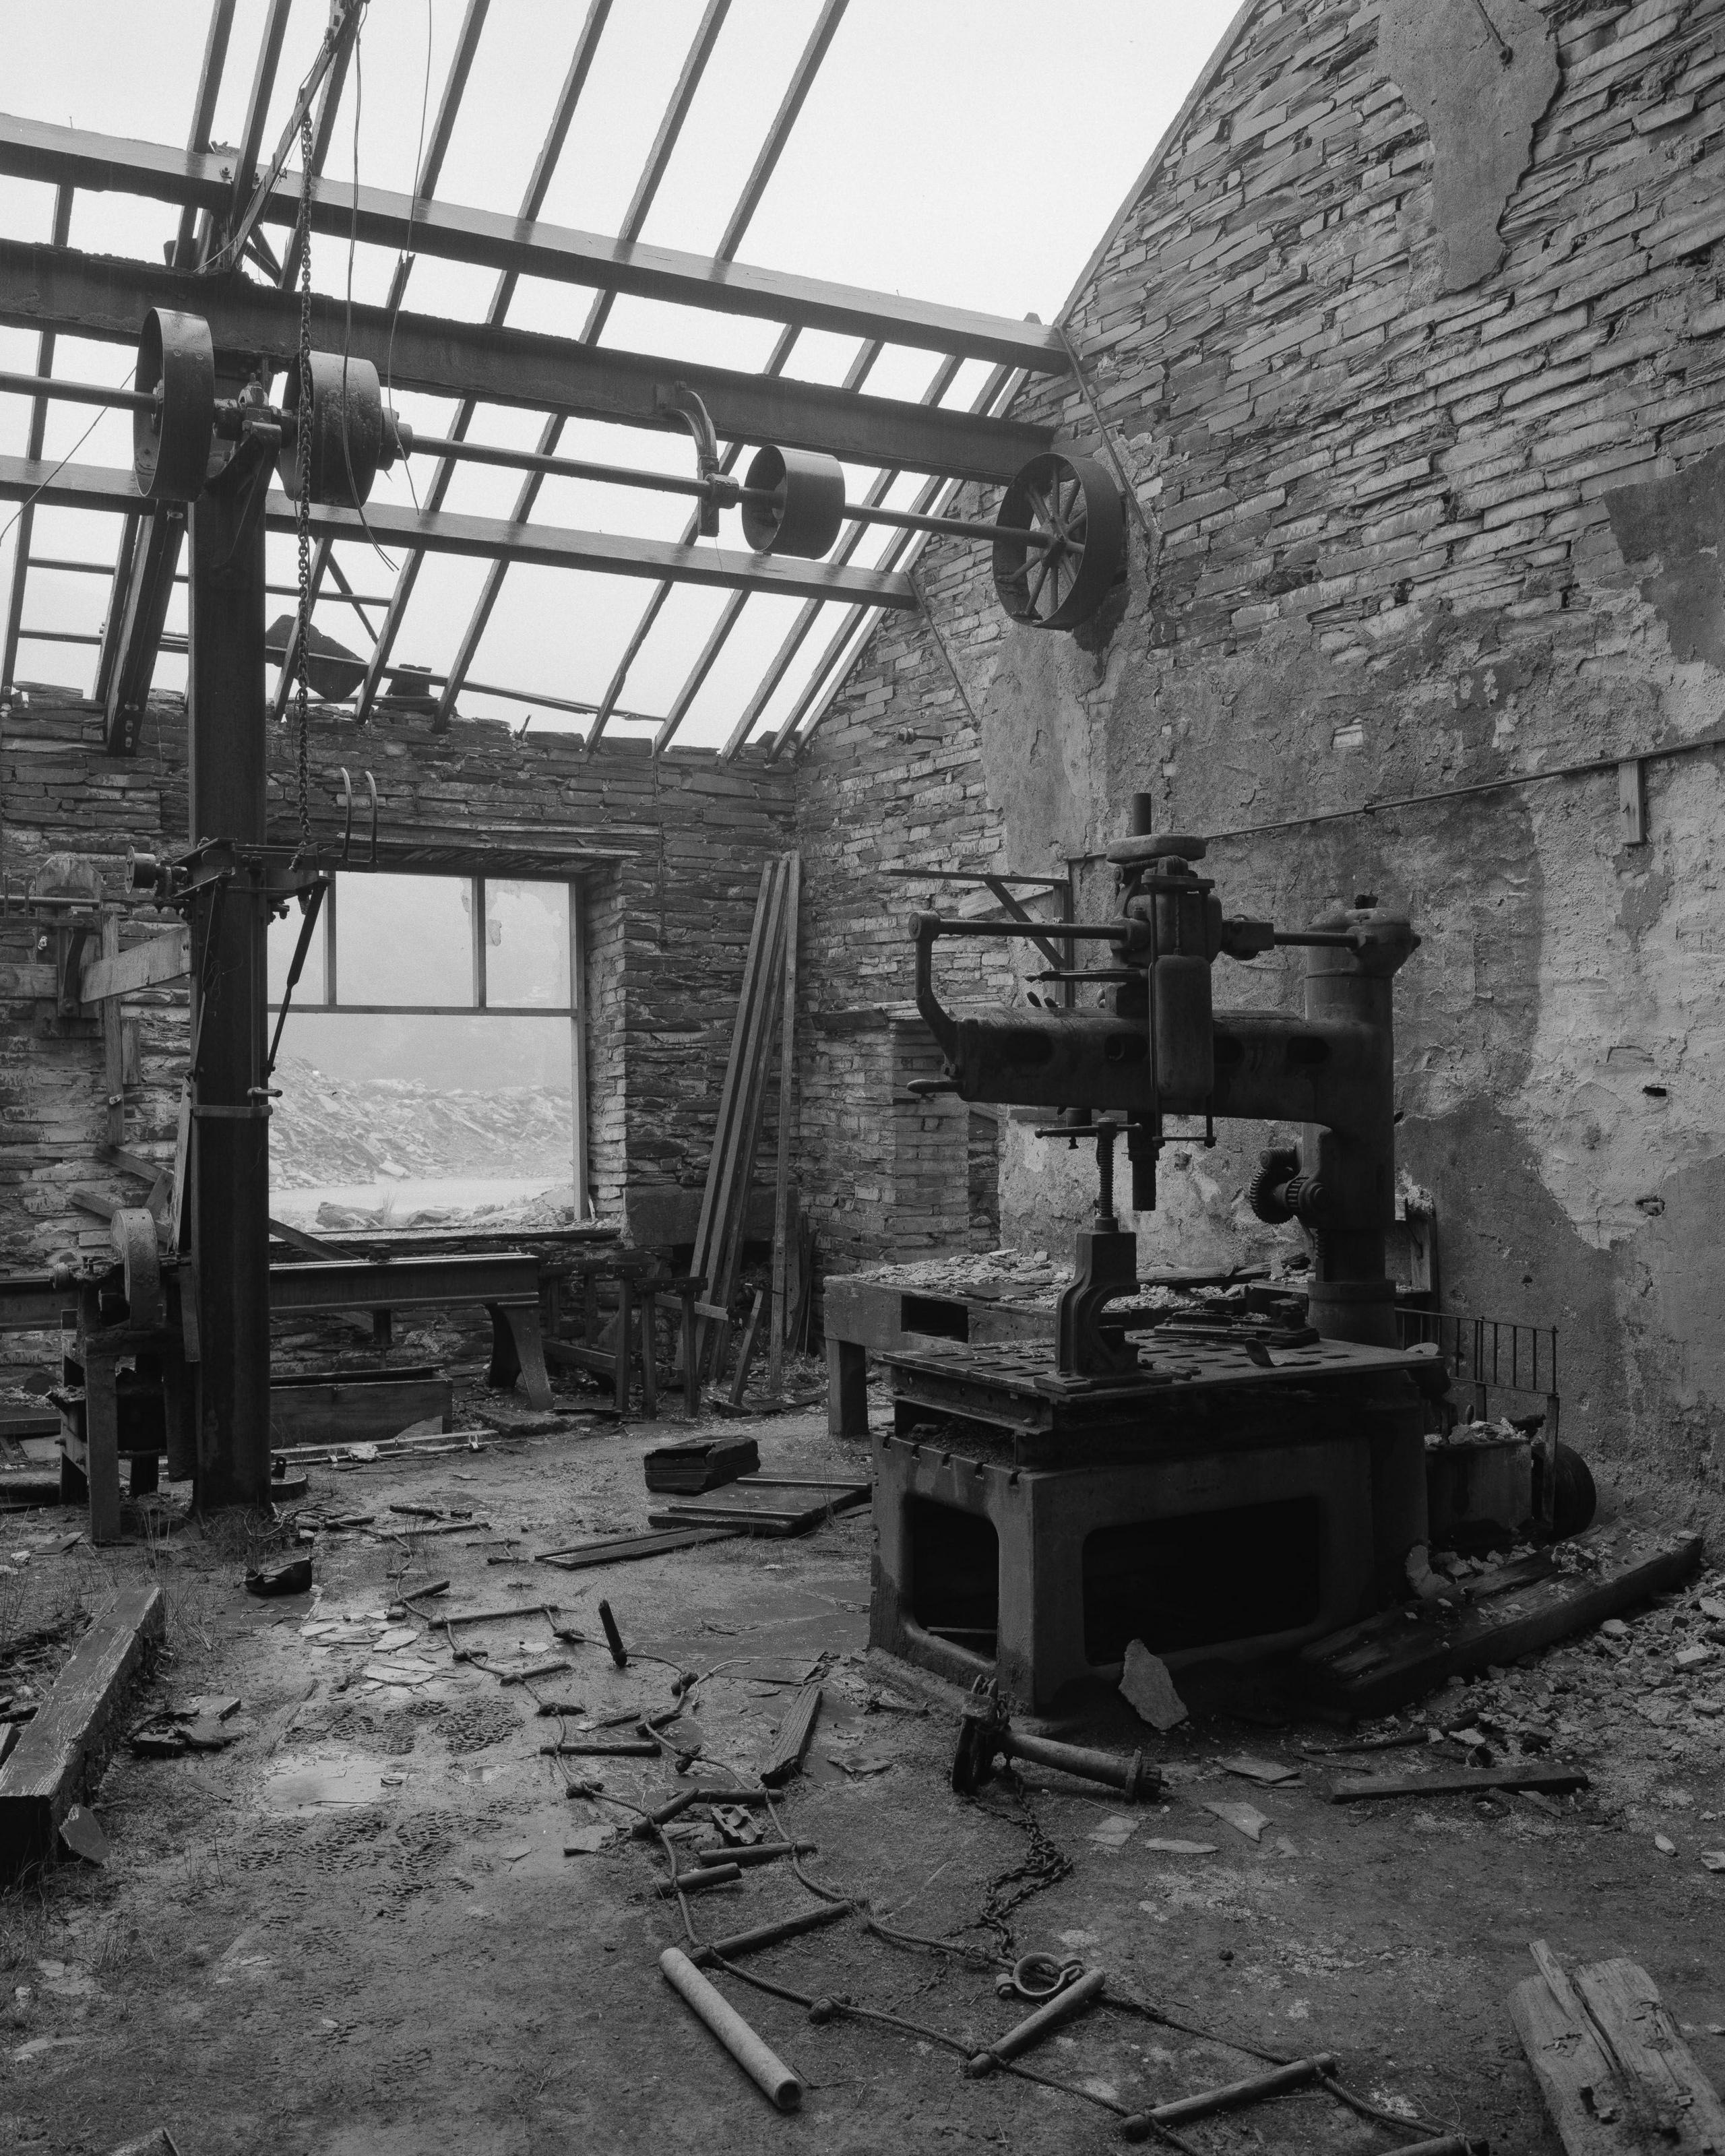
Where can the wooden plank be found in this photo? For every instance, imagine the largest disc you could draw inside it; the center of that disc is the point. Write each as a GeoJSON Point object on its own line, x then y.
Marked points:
{"type": "Point", "coordinates": [1611, 2064]}
{"type": "Point", "coordinates": [113, 1035]}
{"type": "Point", "coordinates": [61, 1749]}
{"type": "Point", "coordinates": [1367, 1668]}
{"type": "Point", "coordinates": [625, 1549]}
{"type": "Point", "coordinates": [791, 1740]}
{"type": "Point", "coordinates": [147, 965]}
{"type": "Point", "coordinates": [746, 1352]}
{"type": "Point", "coordinates": [1553, 1781]}
{"type": "Point", "coordinates": [1668, 2091]}
{"type": "Point", "coordinates": [716, 1231]}
{"type": "Point", "coordinates": [778, 1326]}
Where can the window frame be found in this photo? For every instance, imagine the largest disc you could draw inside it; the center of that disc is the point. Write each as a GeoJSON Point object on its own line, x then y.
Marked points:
{"type": "Point", "coordinates": [475, 870]}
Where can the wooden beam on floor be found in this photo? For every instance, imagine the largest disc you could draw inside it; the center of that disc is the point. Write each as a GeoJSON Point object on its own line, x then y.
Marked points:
{"type": "Point", "coordinates": [62, 1751]}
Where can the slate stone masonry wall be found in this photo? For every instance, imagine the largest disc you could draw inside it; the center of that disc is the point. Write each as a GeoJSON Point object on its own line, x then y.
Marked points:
{"type": "Point", "coordinates": [666, 930]}
{"type": "Point", "coordinates": [1431, 509]}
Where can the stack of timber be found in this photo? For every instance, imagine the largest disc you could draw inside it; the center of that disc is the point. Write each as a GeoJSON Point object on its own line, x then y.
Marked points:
{"type": "Point", "coordinates": [768, 1505]}
{"type": "Point", "coordinates": [736, 1137]}
{"type": "Point", "coordinates": [683, 1471]}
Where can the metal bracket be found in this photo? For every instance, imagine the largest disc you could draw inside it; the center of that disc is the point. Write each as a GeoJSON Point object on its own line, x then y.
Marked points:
{"type": "Point", "coordinates": [679, 402]}
{"type": "Point", "coordinates": [347, 804]}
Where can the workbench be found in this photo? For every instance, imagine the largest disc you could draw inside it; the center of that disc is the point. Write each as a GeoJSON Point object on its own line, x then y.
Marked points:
{"type": "Point", "coordinates": [865, 1317]}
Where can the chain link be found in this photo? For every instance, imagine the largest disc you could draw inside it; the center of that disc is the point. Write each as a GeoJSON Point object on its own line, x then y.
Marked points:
{"type": "Point", "coordinates": [302, 507]}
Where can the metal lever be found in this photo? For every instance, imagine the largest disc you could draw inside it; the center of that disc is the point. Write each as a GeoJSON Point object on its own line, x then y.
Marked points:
{"type": "Point", "coordinates": [313, 906]}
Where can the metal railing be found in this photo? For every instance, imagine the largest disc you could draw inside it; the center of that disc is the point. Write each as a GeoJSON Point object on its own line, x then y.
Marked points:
{"type": "Point", "coordinates": [1491, 1354]}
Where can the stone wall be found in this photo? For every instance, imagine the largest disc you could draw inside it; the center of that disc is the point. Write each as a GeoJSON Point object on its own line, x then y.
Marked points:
{"type": "Point", "coordinates": [667, 926]}
{"type": "Point", "coordinates": [1420, 384]}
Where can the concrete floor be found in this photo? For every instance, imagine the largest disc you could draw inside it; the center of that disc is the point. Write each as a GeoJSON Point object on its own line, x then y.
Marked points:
{"type": "Point", "coordinates": [355, 1932]}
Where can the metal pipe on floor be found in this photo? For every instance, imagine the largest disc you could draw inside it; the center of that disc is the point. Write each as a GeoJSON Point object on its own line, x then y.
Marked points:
{"type": "Point", "coordinates": [1034, 2026]}
{"type": "Point", "coordinates": [768, 2072]}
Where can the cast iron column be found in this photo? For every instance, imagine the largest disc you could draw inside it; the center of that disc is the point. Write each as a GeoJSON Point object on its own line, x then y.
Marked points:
{"type": "Point", "coordinates": [230, 1154]}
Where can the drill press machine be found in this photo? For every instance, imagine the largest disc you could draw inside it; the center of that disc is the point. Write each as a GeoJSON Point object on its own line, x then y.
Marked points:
{"type": "Point", "coordinates": [1221, 1481]}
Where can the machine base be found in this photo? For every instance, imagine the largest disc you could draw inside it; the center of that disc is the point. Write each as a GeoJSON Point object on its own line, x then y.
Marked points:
{"type": "Point", "coordinates": [1236, 1530]}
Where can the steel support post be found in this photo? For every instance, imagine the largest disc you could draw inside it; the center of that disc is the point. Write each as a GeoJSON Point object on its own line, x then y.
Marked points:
{"type": "Point", "coordinates": [230, 1165]}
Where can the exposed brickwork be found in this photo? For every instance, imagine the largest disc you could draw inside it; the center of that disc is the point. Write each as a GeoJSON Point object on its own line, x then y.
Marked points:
{"type": "Point", "coordinates": [1386, 566]}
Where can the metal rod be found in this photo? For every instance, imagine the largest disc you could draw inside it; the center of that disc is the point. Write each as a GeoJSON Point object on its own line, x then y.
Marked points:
{"type": "Point", "coordinates": [764, 2068]}
{"type": "Point", "coordinates": [76, 393]}
{"type": "Point", "coordinates": [1033, 2027]}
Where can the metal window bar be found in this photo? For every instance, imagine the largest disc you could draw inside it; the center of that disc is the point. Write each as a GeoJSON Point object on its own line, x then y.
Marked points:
{"type": "Point", "coordinates": [659, 157]}
{"type": "Point", "coordinates": [765, 163]}
{"type": "Point", "coordinates": [533, 201]}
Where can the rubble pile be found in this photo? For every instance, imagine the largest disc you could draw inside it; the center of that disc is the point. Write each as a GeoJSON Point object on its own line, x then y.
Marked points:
{"type": "Point", "coordinates": [1665, 1666]}
{"type": "Point", "coordinates": [1005, 1273]}
{"type": "Point", "coordinates": [329, 1130]}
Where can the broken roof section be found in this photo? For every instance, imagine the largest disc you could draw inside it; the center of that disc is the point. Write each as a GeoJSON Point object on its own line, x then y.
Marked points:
{"type": "Point", "coordinates": [819, 138]}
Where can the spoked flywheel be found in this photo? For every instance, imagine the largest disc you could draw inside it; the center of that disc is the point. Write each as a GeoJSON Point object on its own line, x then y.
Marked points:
{"type": "Point", "coordinates": [1070, 512]}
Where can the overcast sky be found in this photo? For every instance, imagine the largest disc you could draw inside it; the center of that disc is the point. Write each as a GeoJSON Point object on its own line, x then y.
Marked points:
{"type": "Point", "coordinates": [971, 151]}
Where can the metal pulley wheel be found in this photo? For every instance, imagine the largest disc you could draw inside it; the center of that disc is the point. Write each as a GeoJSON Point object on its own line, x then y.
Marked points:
{"type": "Point", "coordinates": [1075, 501]}
{"type": "Point", "coordinates": [808, 505]}
{"type": "Point", "coordinates": [170, 443]}
{"type": "Point", "coordinates": [354, 434]}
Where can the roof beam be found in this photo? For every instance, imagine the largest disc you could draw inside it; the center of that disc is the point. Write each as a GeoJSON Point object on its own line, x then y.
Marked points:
{"type": "Point", "coordinates": [562, 114]}
{"type": "Point", "coordinates": [431, 166]}
{"type": "Point", "coordinates": [106, 298]}
{"type": "Point", "coordinates": [41, 150]}
{"type": "Point", "coordinates": [798, 632]}
{"type": "Point", "coordinates": [665, 142]}
{"type": "Point", "coordinates": [767, 159]}
{"type": "Point", "coordinates": [203, 113]}
{"type": "Point", "coordinates": [824, 684]}
{"type": "Point", "coordinates": [39, 430]}
{"type": "Point", "coordinates": [102, 487]}
{"type": "Point", "coordinates": [144, 568]}
{"type": "Point", "coordinates": [720, 633]}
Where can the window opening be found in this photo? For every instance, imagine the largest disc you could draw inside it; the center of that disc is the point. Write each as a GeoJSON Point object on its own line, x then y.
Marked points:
{"type": "Point", "coordinates": [431, 1063]}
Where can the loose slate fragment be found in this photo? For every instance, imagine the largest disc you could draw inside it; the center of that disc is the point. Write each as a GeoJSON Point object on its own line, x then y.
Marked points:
{"type": "Point", "coordinates": [1713, 1859]}
{"type": "Point", "coordinates": [1267, 1771]}
{"type": "Point", "coordinates": [588, 1841]}
{"type": "Point", "coordinates": [81, 1833]}
{"type": "Point", "coordinates": [1113, 1832]}
{"type": "Point", "coordinates": [1165, 1848]}
{"type": "Point", "coordinates": [1147, 1686]}
{"type": "Point", "coordinates": [1246, 1818]}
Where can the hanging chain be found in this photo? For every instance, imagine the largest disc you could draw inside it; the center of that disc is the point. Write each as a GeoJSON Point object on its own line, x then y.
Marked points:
{"type": "Point", "coordinates": [302, 507]}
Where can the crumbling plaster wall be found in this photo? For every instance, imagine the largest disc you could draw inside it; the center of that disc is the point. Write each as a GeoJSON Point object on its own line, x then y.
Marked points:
{"type": "Point", "coordinates": [668, 927]}
{"type": "Point", "coordinates": [1405, 539]}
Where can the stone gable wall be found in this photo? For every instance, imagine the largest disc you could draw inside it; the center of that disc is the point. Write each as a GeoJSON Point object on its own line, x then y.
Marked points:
{"type": "Point", "coordinates": [1407, 539]}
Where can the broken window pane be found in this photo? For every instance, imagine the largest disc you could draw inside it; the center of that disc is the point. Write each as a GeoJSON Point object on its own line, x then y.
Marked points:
{"type": "Point", "coordinates": [526, 944]}
{"type": "Point", "coordinates": [404, 939]}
